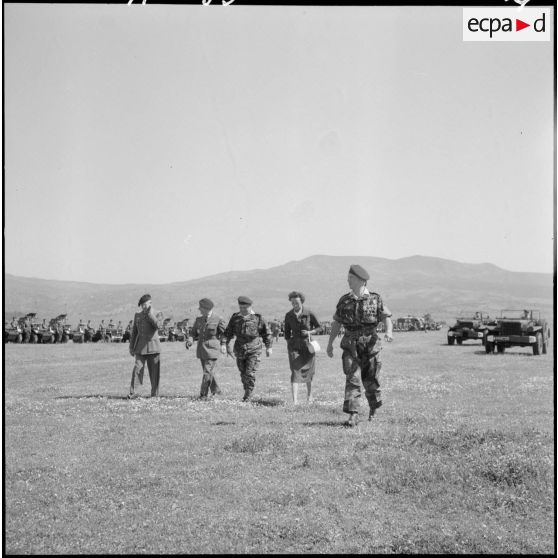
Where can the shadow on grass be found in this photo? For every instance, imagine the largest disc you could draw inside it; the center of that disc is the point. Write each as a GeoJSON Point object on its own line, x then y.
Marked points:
{"type": "Point", "coordinates": [268, 402]}
{"type": "Point", "coordinates": [332, 423]}
{"type": "Point", "coordinates": [124, 397]}
{"type": "Point", "coordinates": [508, 352]}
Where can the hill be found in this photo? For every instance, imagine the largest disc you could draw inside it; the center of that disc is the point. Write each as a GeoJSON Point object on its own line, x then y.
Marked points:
{"type": "Point", "coordinates": [412, 285]}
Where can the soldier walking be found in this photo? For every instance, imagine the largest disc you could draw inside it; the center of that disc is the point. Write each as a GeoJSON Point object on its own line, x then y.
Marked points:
{"type": "Point", "coordinates": [145, 346]}
{"type": "Point", "coordinates": [208, 330]}
{"type": "Point", "coordinates": [249, 329]}
{"type": "Point", "coordinates": [359, 312]}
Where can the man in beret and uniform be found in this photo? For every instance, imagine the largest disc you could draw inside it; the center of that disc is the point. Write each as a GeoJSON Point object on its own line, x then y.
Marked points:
{"type": "Point", "coordinates": [208, 330]}
{"type": "Point", "coordinates": [359, 312]}
{"type": "Point", "coordinates": [145, 346]}
{"type": "Point", "coordinates": [247, 327]}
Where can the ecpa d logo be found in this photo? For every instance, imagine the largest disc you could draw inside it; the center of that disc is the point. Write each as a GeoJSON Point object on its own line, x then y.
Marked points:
{"type": "Point", "coordinates": [506, 24]}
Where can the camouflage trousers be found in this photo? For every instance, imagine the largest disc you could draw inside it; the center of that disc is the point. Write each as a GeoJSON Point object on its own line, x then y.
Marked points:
{"type": "Point", "coordinates": [248, 362]}
{"type": "Point", "coordinates": [209, 382]}
{"type": "Point", "coordinates": [361, 354]}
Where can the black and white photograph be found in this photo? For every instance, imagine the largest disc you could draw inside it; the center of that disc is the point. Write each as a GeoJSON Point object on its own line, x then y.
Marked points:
{"type": "Point", "coordinates": [279, 278]}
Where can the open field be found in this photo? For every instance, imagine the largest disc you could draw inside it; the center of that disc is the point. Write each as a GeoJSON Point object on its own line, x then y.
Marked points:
{"type": "Point", "coordinates": [460, 458]}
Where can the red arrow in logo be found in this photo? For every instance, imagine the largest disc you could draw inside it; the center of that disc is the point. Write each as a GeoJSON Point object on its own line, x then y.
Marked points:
{"type": "Point", "coordinates": [519, 25]}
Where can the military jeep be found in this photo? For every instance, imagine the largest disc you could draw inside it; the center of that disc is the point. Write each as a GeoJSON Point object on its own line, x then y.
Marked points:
{"type": "Point", "coordinates": [13, 333]}
{"type": "Point", "coordinates": [518, 328]}
{"type": "Point", "coordinates": [471, 328]}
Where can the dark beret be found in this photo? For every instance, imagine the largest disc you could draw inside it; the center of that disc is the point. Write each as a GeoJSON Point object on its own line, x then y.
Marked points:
{"type": "Point", "coordinates": [144, 298]}
{"type": "Point", "coordinates": [359, 272]}
{"type": "Point", "coordinates": [244, 300]}
{"type": "Point", "coordinates": [206, 303]}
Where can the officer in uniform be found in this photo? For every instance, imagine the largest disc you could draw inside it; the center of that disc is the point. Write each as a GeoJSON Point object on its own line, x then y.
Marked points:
{"type": "Point", "coordinates": [247, 327]}
{"type": "Point", "coordinates": [145, 346]}
{"type": "Point", "coordinates": [208, 330]}
{"type": "Point", "coordinates": [359, 312]}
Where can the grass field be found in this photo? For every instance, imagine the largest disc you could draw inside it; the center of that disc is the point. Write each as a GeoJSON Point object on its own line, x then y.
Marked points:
{"type": "Point", "coordinates": [460, 458]}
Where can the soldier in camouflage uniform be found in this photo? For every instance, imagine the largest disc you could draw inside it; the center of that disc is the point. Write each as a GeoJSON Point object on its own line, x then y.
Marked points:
{"type": "Point", "coordinates": [247, 327]}
{"type": "Point", "coordinates": [359, 312]}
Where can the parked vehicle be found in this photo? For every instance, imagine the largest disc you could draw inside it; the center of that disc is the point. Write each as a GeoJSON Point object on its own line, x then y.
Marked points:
{"type": "Point", "coordinates": [518, 328]}
{"type": "Point", "coordinates": [470, 328]}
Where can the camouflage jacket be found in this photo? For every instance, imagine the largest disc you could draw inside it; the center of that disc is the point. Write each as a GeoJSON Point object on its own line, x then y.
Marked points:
{"type": "Point", "coordinates": [247, 330]}
{"type": "Point", "coordinates": [355, 312]}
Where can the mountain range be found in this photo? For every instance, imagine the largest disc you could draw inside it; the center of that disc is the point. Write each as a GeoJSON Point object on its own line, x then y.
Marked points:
{"type": "Point", "coordinates": [413, 285]}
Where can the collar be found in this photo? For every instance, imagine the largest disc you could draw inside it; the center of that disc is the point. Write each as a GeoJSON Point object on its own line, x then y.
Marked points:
{"type": "Point", "coordinates": [364, 293]}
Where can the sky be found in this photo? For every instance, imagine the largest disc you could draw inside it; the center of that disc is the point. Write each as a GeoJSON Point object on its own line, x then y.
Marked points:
{"type": "Point", "coordinates": [154, 144]}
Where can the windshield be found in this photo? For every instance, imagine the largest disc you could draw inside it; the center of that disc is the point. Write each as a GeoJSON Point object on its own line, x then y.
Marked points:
{"type": "Point", "coordinates": [519, 314]}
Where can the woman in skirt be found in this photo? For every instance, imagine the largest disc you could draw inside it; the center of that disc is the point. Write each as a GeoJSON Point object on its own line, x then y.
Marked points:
{"type": "Point", "coordinates": [300, 324]}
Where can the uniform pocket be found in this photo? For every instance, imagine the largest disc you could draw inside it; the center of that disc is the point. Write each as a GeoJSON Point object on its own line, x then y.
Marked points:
{"type": "Point", "coordinates": [250, 328]}
{"type": "Point", "coordinates": [210, 331]}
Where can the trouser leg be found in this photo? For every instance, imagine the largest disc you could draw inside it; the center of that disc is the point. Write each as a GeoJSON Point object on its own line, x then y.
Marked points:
{"type": "Point", "coordinates": [371, 366]}
{"type": "Point", "coordinates": [252, 363]}
{"type": "Point", "coordinates": [137, 371]}
{"type": "Point", "coordinates": [154, 367]}
{"type": "Point", "coordinates": [209, 381]}
{"type": "Point", "coordinates": [241, 364]}
{"type": "Point", "coordinates": [351, 367]}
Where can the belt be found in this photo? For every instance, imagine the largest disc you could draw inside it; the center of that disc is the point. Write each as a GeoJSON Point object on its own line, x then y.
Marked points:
{"type": "Point", "coordinates": [358, 332]}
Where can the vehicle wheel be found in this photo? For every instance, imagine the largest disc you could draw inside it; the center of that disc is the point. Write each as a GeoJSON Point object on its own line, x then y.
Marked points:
{"type": "Point", "coordinates": [500, 347]}
{"type": "Point", "coordinates": [459, 341]}
{"type": "Point", "coordinates": [65, 338]}
{"type": "Point", "coordinates": [451, 340]}
{"type": "Point", "coordinates": [489, 347]}
{"type": "Point", "coordinates": [34, 339]}
{"type": "Point", "coordinates": [538, 345]}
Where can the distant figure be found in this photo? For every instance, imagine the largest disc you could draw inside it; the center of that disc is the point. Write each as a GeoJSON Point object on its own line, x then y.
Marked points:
{"type": "Point", "coordinates": [526, 314]}
{"type": "Point", "coordinates": [247, 327]}
{"type": "Point", "coordinates": [300, 324]}
{"type": "Point", "coordinates": [208, 330]}
{"type": "Point", "coordinates": [145, 346]}
{"type": "Point", "coordinates": [89, 332]}
{"type": "Point", "coordinates": [359, 311]}
{"type": "Point", "coordinates": [275, 327]}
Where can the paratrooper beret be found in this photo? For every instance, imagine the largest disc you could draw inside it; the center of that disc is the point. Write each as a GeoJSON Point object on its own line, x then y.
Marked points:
{"type": "Point", "coordinates": [206, 303]}
{"type": "Point", "coordinates": [244, 300]}
{"type": "Point", "coordinates": [144, 298]}
{"type": "Point", "coordinates": [359, 272]}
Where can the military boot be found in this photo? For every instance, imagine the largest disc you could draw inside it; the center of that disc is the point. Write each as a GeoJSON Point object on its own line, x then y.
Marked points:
{"type": "Point", "coordinates": [373, 408]}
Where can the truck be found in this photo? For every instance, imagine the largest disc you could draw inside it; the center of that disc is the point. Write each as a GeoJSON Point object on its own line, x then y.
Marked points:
{"type": "Point", "coordinates": [472, 327]}
{"type": "Point", "coordinates": [518, 328]}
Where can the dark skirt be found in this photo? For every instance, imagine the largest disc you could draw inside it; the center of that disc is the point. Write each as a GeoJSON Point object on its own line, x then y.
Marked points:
{"type": "Point", "coordinates": [302, 363]}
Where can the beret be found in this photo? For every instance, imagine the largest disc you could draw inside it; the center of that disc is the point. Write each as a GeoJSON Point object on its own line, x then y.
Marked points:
{"type": "Point", "coordinates": [359, 272]}
{"type": "Point", "coordinates": [206, 303]}
{"type": "Point", "coordinates": [244, 300]}
{"type": "Point", "coordinates": [144, 298]}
